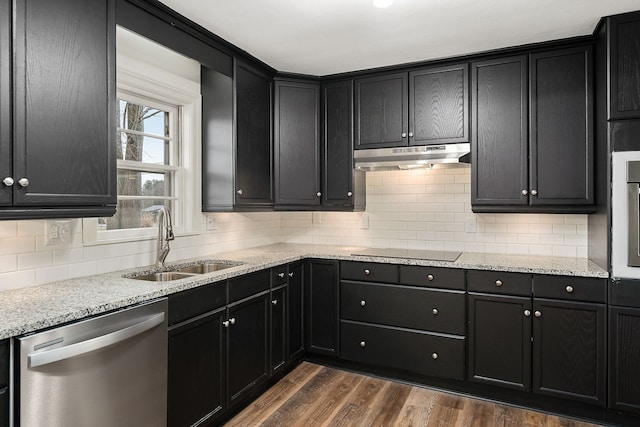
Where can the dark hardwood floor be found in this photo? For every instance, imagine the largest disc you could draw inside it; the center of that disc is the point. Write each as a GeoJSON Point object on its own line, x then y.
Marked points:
{"type": "Point", "coordinates": [314, 395]}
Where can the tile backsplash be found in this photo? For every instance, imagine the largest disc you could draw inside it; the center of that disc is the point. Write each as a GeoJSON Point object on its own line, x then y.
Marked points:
{"type": "Point", "coordinates": [420, 209]}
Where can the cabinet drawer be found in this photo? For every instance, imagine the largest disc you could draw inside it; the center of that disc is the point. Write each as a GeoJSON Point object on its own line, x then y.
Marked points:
{"type": "Point", "coordinates": [498, 282]}
{"type": "Point", "coordinates": [194, 302]}
{"type": "Point", "coordinates": [418, 352]}
{"type": "Point", "coordinates": [570, 288]}
{"type": "Point", "coordinates": [250, 284]}
{"type": "Point", "coordinates": [432, 310]}
{"type": "Point", "coordinates": [369, 271]}
{"type": "Point", "coordinates": [279, 275]}
{"type": "Point", "coordinates": [432, 277]}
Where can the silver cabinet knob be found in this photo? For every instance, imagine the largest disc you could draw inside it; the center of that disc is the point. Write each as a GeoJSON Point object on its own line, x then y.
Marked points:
{"type": "Point", "coordinates": [8, 181]}
{"type": "Point", "coordinates": [435, 311]}
{"type": "Point", "coordinates": [534, 192]}
{"type": "Point", "coordinates": [525, 192]}
{"type": "Point", "coordinates": [430, 277]}
{"type": "Point", "coordinates": [367, 272]}
{"type": "Point", "coordinates": [498, 283]}
{"type": "Point", "coordinates": [363, 343]}
{"type": "Point", "coordinates": [569, 288]}
{"type": "Point", "coordinates": [291, 274]}
{"type": "Point", "coordinates": [537, 313]}
{"type": "Point", "coordinates": [274, 302]}
{"type": "Point", "coordinates": [434, 356]}
{"type": "Point", "coordinates": [226, 323]}
{"type": "Point", "coordinates": [527, 313]}
{"type": "Point", "coordinates": [281, 275]}
{"type": "Point", "coordinates": [410, 134]}
{"type": "Point", "coordinates": [239, 192]}
{"type": "Point", "coordinates": [363, 303]}
{"type": "Point", "coordinates": [232, 320]}
{"type": "Point", "coordinates": [349, 194]}
{"type": "Point", "coordinates": [318, 194]}
{"type": "Point", "coordinates": [23, 182]}
{"type": "Point", "coordinates": [404, 134]}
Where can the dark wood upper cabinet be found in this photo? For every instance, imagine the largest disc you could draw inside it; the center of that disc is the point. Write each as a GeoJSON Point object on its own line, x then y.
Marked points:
{"type": "Point", "coordinates": [532, 138]}
{"type": "Point", "coordinates": [381, 111]}
{"type": "Point", "coordinates": [561, 127]}
{"type": "Point", "coordinates": [439, 105]}
{"type": "Point", "coordinates": [297, 143]}
{"type": "Point", "coordinates": [499, 136]}
{"type": "Point", "coordinates": [342, 185]}
{"type": "Point", "coordinates": [254, 159]}
{"type": "Point", "coordinates": [63, 109]}
{"type": "Point", "coordinates": [624, 43]}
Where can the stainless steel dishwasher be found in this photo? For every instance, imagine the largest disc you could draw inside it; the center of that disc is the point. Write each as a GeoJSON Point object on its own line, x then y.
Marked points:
{"type": "Point", "coordinates": [109, 370]}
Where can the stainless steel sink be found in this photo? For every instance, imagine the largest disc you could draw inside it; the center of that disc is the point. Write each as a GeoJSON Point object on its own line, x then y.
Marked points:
{"type": "Point", "coordinates": [204, 268]}
{"type": "Point", "coordinates": [165, 276]}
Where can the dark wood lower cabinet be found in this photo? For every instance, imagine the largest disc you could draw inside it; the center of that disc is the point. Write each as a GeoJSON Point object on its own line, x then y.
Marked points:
{"type": "Point", "coordinates": [296, 310]}
{"type": "Point", "coordinates": [321, 290]}
{"type": "Point", "coordinates": [278, 328]}
{"type": "Point", "coordinates": [196, 379]}
{"type": "Point", "coordinates": [500, 340]}
{"type": "Point", "coordinates": [569, 350]}
{"type": "Point", "coordinates": [624, 354]}
{"type": "Point", "coordinates": [247, 345]}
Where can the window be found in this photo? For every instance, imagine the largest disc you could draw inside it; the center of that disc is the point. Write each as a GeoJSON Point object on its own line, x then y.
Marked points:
{"type": "Point", "coordinates": [158, 149]}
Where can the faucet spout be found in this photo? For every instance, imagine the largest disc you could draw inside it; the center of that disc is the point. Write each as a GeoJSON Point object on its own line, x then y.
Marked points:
{"type": "Point", "coordinates": [165, 234]}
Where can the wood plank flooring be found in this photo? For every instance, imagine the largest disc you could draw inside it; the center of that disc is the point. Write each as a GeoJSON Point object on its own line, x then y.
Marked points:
{"type": "Point", "coordinates": [313, 395]}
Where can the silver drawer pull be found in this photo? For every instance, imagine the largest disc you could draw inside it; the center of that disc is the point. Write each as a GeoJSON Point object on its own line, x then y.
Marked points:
{"type": "Point", "coordinates": [434, 356]}
{"type": "Point", "coordinates": [435, 311]}
{"type": "Point", "coordinates": [527, 313]}
{"type": "Point", "coordinates": [363, 343]}
{"type": "Point", "coordinates": [225, 323]}
{"type": "Point", "coordinates": [430, 277]}
{"type": "Point", "coordinates": [367, 272]}
{"type": "Point", "coordinates": [232, 320]}
{"type": "Point", "coordinates": [281, 275]}
{"type": "Point", "coordinates": [363, 303]}
{"type": "Point", "coordinates": [537, 313]}
{"type": "Point", "coordinates": [569, 288]}
{"type": "Point", "coordinates": [498, 283]}
{"type": "Point", "coordinates": [291, 274]}
{"type": "Point", "coordinates": [274, 302]}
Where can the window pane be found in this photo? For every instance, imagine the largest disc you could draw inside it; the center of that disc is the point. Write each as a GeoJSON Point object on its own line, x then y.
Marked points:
{"type": "Point", "coordinates": [134, 214]}
{"type": "Point", "coordinates": [142, 118]}
{"type": "Point", "coordinates": [143, 149]}
{"type": "Point", "coordinates": [137, 183]}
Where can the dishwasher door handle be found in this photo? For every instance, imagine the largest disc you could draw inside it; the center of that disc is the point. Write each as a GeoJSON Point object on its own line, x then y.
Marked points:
{"type": "Point", "coordinates": [51, 356]}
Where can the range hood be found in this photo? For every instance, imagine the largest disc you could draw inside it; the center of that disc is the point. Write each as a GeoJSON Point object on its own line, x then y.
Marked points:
{"type": "Point", "coordinates": [376, 159]}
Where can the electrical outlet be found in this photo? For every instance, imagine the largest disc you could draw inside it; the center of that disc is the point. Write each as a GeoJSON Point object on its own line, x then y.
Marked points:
{"type": "Point", "coordinates": [211, 223]}
{"type": "Point", "coordinates": [57, 232]}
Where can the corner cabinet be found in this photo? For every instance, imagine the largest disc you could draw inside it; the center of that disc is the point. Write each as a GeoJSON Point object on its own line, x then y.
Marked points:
{"type": "Point", "coordinates": [424, 107]}
{"type": "Point", "coordinates": [297, 144]}
{"type": "Point", "coordinates": [57, 125]}
{"type": "Point", "coordinates": [533, 132]}
{"type": "Point", "coordinates": [322, 299]}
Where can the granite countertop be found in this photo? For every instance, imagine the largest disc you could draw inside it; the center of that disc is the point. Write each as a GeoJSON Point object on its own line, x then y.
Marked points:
{"type": "Point", "coordinates": [30, 309]}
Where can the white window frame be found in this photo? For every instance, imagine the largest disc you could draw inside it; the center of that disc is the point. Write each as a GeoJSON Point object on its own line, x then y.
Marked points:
{"type": "Point", "coordinates": [137, 80]}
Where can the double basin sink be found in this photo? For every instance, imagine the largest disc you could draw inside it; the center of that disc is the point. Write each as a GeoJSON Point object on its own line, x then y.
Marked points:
{"type": "Point", "coordinates": [182, 272]}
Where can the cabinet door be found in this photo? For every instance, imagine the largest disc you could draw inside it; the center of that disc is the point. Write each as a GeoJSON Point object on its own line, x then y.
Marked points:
{"type": "Point", "coordinates": [248, 345]}
{"type": "Point", "coordinates": [500, 340]}
{"type": "Point", "coordinates": [297, 143]}
{"type": "Point", "coordinates": [569, 350]}
{"type": "Point", "coordinates": [439, 105]}
{"type": "Point", "coordinates": [5, 102]}
{"type": "Point", "coordinates": [254, 181]}
{"type": "Point", "coordinates": [279, 336]}
{"type": "Point", "coordinates": [624, 353]}
{"type": "Point", "coordinates": [296, 310]}
{"type": "Point", "coordinates": [561, 127]}
{"type": "Point", "coordinates": [337, 188]}
{"type": "Point", "coordinates": [381, 111]}
{"type": "Point", "coordinates": [624, 33]}
{"type": "Point", "coordinates": [4, 383]}
{"type": "Point", "coordinates": [64, 116]}
{"type": "Point", "coordinates": [321, 290]}
{"type": "Point", "coordinates": [196, 387]}
{"type": "Point", "coordinates": [499, 136]}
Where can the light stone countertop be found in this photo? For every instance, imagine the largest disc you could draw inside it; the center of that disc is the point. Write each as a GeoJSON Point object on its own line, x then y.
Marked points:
{"type": "Point", "coordinates": [33, 308]}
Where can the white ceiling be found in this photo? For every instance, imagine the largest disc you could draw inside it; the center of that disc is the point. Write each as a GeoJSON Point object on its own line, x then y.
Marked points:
{"type": "Point", "coordinates": [321, 37]}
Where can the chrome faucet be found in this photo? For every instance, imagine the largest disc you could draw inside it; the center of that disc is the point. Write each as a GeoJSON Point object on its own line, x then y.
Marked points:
{"type": "Point", "coordinates": [165, 234]}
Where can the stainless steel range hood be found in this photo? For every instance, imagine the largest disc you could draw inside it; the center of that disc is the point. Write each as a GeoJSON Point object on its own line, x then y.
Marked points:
{"type": "Point", "coordinates": [376, 159]}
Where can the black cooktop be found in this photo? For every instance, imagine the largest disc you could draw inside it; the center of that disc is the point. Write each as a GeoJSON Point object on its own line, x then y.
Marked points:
{"type": "Point", "coordinates": [410, 253]}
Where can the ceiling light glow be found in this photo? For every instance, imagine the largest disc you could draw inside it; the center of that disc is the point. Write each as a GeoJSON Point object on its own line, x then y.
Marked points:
{"type": "Point", "coordinates": [382, 3]}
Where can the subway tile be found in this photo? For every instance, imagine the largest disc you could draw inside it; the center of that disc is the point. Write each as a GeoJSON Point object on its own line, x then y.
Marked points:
{"type": "Point", "coordinates": [565, 229]}
{"type": "Point", "coordinates": [17, 279]}
{"type": "Point", "coordinates": [52, 274]}
{"type": "Point", "coordinates": [8, 263]}
{"type": "Point", "coordinates": [81, 269]}
{"type": "Point", "coordinates": [34, 260]}
{"type": "Point", "coordinates": [8, 229]}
